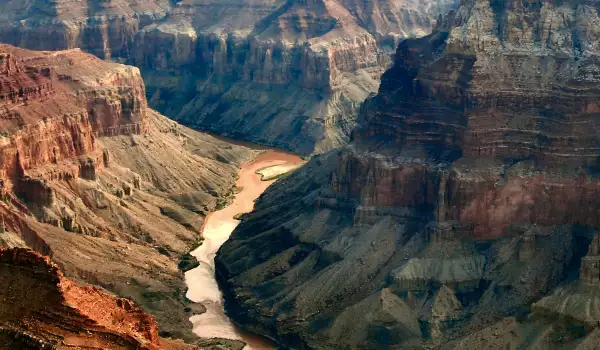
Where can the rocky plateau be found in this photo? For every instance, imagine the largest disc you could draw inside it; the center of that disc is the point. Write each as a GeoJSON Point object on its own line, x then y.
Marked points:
{"type": "Point", "coordinates": [464, 212]}
{"type": "Point", "coordinates": [114, 193]}
{"type": "Point", "coordinates": [289, 73]}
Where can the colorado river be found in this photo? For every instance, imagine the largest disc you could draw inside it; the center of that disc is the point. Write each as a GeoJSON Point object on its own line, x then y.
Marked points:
{"type": "Point", "coordinates": [202, 286]}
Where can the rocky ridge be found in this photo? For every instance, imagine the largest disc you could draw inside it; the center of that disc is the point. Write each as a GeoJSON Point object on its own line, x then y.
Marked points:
{"type": "Point", "coordinates": [103, 28]}
{"type": "Point", "coordinates": [461, 215]}
{"type": "Point", "coordinates": [290, 73]}
{"type": "Point", "coordinates": [113, 192]}
{"type": "Point", "coordinates": [48, 310]}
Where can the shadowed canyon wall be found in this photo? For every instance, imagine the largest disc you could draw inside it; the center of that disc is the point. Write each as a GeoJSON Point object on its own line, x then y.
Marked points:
{"type": "Point", "coordinates": [463, 213]}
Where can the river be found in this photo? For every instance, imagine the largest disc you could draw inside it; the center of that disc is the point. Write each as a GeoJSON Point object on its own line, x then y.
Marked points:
{"type": "Point", "coordinates": [218, 226]}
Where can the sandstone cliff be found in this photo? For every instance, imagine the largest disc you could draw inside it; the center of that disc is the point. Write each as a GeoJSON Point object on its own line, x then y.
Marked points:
{"type": "Point", "coordinates": [103, 28]}
{"type": "Point", "coordinates": [463, 213]}
{"type": "Point", "coordinates": [290, 73]}
{"type": "Point", "coordinates": [114, 192]}
{"type": "Point", "coordinates": [43, 309]}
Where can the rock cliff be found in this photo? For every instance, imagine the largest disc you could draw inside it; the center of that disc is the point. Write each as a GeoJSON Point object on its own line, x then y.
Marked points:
{"type": "Point", "coordinates": [51, 112]}
{"type": "Point", "coordinates": [113, 192]}
{"type": "Point", "coordinates": [103, 28]}
{"type": "Point", "coordinates": [290, 73]}
{"type": "Point", "coordinates": [43, 309]}
{"type": "Point", "coordinates": [462, 215]}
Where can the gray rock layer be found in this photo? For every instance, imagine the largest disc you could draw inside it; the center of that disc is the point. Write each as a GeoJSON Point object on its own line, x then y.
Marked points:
{"type": "Point", "coordinates": [462, 214]}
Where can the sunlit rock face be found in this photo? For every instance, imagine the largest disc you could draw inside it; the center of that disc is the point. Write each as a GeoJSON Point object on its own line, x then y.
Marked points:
{"type": "Point", "coordinates": [47, 310]}
{"type": "Point", "coordinates": [288, 73]}
{"type": "Point", "coordinates": [463, 212]}
{"type": "Point", "coordinates": [54, 105]}
{"type": "Point", "coordinates": [112, 191]}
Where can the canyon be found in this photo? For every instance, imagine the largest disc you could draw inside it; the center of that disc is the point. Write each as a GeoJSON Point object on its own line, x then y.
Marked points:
{"type": "Point", "coordinates": [456, 208]}
{"type": "Point", "coordinates": [114, 193]}
{"type": "Point", "coordinates": [287, 73]}
{"type": "Point", "coordinates": [202, 285]}
{"type": "Point", "coordinates": [463, 214]}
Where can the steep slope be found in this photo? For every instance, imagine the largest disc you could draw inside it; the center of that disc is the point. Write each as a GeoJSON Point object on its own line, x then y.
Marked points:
{"type": "Point", "coordinates": [290, 73]}
{"type": "Point", "coordinates": [44, 310]}
{"type": "Point", "coordinates": [114, 192]}
{"type": "Point", "coordinates": [462, 212]}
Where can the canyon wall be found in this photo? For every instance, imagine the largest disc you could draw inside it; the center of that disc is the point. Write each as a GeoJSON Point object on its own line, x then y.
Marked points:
{"type": "Point", "coordinates": [42, 309]}
{"type": "Point", "coordinates": [43, 97]}
{"type": "Point", "coordinates": [288, 73]}
{"type": "Point", "coordinates": [112, 191]}
{"type": "Point", "coordinates": [463, 213]}
{"type": "Point", "coordinates": [103, 28]}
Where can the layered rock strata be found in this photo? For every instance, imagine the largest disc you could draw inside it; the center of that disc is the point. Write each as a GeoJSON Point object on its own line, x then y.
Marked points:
{"type": "Point", "coordinates": [461, 213]}
{"type": "Point", "coordinates": [43, 309]}
{"type": "Point", "coordinates": [103, 28]}
{"type": "Point", "coordinates": [50, 111]}
{"type": "Point", "coordinates": [590, 265]}
{"type": "Point", "coordinates": [114, 192]}
{"type": "Point", "coordinates": [290, 73]}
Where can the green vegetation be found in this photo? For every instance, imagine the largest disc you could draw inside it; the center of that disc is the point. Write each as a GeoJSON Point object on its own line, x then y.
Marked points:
{"type": "Point", "coordinates": [221, 203]}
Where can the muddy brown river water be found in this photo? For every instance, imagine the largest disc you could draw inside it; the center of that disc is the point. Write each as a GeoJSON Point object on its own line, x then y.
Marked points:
{"type": "Point", "coordinates": [202, 286]}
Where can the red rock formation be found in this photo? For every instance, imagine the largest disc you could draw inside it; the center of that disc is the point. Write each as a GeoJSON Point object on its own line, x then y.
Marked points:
{"type": "Point", "coordinates": [328, 55]}
{"type": "Point", "coordinates": [483, 107]}
{"type": "Point", "coordinates": [77, 138]}
{"type": "Point", "coordinates": [42, 307]}
{"type": "Point", "coordinates": [314, 61]}
{"type": "Point", "coordinates": [55, 105]}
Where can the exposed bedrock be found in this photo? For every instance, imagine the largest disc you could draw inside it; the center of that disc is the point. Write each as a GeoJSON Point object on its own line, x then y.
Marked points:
{"type": "Point", "coordinates": [290, 73]}
{"type": "Point", "coordinates": [43, 309]}
{"type": "Point", "coordinates": [50, 112]}
{"type": "Point", "coordinates": [294, 96]}
{"type": "Point", "coordinates": [114, 192]}
{"type": "Point", "coordinates": [103, 28]}
{"type": "Point", "coordinates": [462, 214]}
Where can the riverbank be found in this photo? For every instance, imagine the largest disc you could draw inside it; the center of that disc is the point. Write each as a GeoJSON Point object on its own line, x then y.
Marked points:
{"type": "Point", "coordinates": [218, 226]}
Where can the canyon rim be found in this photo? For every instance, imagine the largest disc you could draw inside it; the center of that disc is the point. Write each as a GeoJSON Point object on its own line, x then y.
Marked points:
{"type": "Point", "coordinates": [449, 199]}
